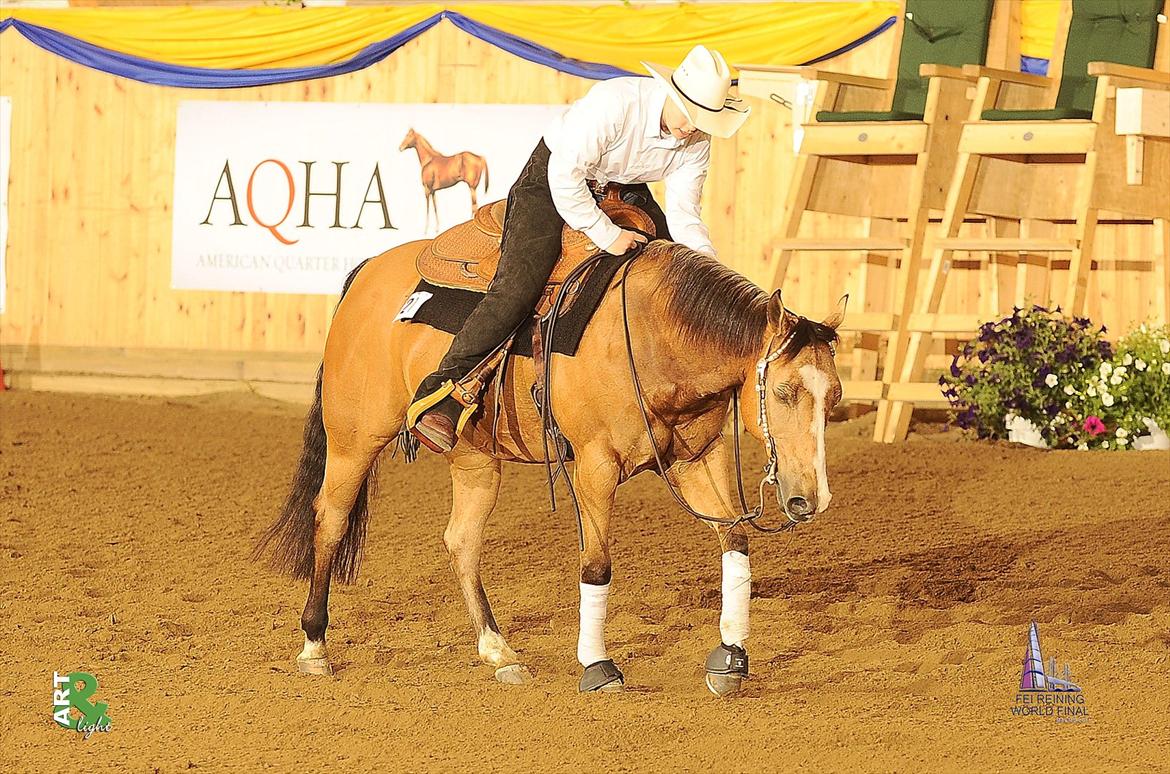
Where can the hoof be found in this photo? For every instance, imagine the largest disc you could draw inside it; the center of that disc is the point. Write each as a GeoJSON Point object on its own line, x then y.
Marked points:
{"type": "Point", "coordinates": [602, 676]}
{"type": "Point", "coordinates": [314, 666]}
{"type": "Point", "coordinates": [513, 674]}
{"type": "Point", "coordinates": [724, 686]}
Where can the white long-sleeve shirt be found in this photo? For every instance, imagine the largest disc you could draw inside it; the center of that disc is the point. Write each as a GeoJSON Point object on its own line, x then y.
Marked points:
{"type": "Point", "coordinates": [614, 134]}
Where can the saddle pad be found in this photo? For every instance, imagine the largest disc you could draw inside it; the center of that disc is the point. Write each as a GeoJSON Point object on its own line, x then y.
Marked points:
{"type": "Point", "coordinates": [448, 308]}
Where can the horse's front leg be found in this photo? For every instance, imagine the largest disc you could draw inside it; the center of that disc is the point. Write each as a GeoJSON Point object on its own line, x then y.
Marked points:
{"type": "Point", "coordinates": [595, 477]}
{"type": "Point", "coordinates": [475, 484]}
{"type": "Point", "coordinates": [706, 485]}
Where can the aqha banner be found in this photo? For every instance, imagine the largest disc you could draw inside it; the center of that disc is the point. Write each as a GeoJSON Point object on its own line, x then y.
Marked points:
{"type": "Point", "coordinates": [287, 197]}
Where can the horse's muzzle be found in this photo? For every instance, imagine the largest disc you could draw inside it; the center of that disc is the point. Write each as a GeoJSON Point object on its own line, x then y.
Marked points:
{"type": "Point", "coordinates": [799, 508]}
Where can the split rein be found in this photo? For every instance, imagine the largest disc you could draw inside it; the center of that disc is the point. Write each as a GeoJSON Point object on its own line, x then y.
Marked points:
{"type": "Point", "coordinates": [551, 431]}
{"type": "Point", "coordinates": [753, 516]}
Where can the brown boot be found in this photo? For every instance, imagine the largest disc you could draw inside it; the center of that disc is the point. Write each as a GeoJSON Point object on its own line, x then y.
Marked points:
{"type": "Point", "coordinates": [436, 428]}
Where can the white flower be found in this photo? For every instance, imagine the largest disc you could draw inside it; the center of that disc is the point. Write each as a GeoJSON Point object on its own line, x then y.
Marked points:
{"type": "Point", "coordinates": [1140, 364]}
{"type": "Point", "coordinates": [1143, 328]}
{"type": "Point", "coordinates": [1051, 380]}
{"type": "Point", "coordinates": [1106, 399]}
{"type": "Point", "coordinates": [1128, 359]}
{"type": "Point", "coordinates": [1122, 432]}
{"type": "Point", "coordinates": [1082, 447]}
{"type": "Point", "coordinates": [1068, 404]}
{"type": "Point", "coordinates": [1164, 345]}
{"type": "Point", "coordinates": [1166, 368]}
{"type": "Point", "coordinates": [1104, 444]}
{"type": "Point", "coordinates": [1120, 370]}
{"type": "Point", "coordinates": [1122, 442]}
{"type": "Point", "coordinates": [1092, 391]}
{"type": "Point", "coordinates": [1068, 390]}
{"type": "Point", "coordinates": [1115, 379]}
{"type": "Point", "coordinates": [1105, 369]}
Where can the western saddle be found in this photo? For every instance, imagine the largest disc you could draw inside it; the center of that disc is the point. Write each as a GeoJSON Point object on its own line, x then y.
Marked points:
{"type": "Point", "coordinates": [466, 256]}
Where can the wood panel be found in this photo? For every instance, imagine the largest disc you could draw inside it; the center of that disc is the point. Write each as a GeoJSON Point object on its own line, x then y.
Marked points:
{"type": "Point", "coordinates": [91, 188]}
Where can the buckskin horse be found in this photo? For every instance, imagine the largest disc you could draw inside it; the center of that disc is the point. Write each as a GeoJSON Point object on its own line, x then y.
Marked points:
{"type": "Point", "coordinates": [704, 340]}
{"type": "Point", "coordinates": [439, 172]}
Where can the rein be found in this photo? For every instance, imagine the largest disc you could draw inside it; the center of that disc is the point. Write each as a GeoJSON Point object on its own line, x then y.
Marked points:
{"type": "Point", "coordinates": [750, 517]}
{"type": "Point", "coordinates": [550, 429]}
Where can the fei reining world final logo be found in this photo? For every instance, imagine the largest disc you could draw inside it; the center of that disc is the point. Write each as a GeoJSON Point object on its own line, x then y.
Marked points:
{"type": "Point", "coordinates": [1044, 694]}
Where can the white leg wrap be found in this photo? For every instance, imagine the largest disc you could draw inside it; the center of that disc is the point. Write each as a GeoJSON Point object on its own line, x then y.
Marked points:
{"type": "Point", "coordinates": [737, 592]}
{"type": "Point", "coordinates": [591, 639]}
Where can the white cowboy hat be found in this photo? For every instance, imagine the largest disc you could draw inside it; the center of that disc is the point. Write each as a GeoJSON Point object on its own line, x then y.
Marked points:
{"type": "Point", "coordinates": [699, 87]}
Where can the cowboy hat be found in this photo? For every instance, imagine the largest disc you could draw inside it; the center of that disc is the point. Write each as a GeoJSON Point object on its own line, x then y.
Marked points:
{"type": "Point", "coordinates": [699, 87]}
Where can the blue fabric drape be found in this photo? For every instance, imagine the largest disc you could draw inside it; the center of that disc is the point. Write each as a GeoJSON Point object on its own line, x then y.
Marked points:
{"type": "Point", "coordinates": [164, 74]}
{"type": "Point", "coordinates": [1034, 65]}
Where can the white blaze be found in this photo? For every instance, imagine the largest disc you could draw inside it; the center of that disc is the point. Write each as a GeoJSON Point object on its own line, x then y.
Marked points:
{"type": "Point", "coordinates": [818, 386]}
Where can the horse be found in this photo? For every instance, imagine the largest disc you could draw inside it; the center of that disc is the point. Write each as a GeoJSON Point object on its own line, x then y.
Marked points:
{"type": "Point", "coordinates": [439, 172]}
{"type": "Point", "coordinates": [700, 336]}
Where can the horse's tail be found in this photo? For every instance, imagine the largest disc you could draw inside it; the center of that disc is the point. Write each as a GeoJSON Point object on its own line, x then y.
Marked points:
{"type": "Point", "coordinates": [486, 181]}
{"type": "Point", "coordinates": [288, 543]}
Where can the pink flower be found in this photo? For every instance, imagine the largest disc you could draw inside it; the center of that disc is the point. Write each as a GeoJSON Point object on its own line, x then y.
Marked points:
{"type": "Point", "coordinates": [1094, 426]}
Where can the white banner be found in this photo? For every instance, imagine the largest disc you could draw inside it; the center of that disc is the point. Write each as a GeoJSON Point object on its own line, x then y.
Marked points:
{"type": "Point", "coordinates": [5, 156]}
{"type": "Point", "coordinates": [287, 197]}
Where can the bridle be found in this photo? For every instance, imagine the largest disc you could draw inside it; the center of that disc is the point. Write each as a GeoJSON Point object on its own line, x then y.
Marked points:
{"type": "Point", "coordinates": [550, 430]}
{"type": "Point", "coordinates": [751, 517]}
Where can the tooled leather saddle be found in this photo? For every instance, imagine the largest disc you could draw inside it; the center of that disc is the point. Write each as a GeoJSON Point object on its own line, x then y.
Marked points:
{"type": "Point", "coordinates": [467, 256]}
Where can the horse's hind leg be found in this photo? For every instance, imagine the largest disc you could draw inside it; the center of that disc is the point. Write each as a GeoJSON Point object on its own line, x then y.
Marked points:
{"type": "Point", "coordinates": [340, 501]}
{"type": "Point", "coordinates": [475, 484]}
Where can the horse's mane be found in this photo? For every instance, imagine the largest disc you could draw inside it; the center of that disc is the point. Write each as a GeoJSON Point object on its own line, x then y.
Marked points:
{"type": "Point", "coordinates": [713, 305]}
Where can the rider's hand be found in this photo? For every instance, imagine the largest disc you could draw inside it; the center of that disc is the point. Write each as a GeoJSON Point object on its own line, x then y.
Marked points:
{"type": "Point", "coordinates": [625, 241]}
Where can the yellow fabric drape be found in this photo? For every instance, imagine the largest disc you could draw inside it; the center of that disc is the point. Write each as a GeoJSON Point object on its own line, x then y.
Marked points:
{"type": "Point", "coordinates": [231, 38]}
{"type": "Point", "coordinates": [267, 37]}
{"type": "Point", "coordinates": [760, 33]}
{"type": "Point", "coordinates": [1038, 27]}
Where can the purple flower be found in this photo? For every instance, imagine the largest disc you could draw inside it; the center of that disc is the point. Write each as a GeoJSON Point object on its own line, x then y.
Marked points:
{"type": "Point", "coordinates": [1052, 409]}
{"type": "Point", "coordinates": [983, 355]}
{"type": "Point", "coordinates": [955, 372]}
{"type": "Point", "coordinates": [969, 379]}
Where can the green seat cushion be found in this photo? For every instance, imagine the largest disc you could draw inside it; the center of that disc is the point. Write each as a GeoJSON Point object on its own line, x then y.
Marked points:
{"type": "Point", "coordinates": [825, 116]}
{"type": "Point", "coordinates": [1120, 31]}
{"type": "Point", "coordinates": [1036, 115]}
{"type": "Point", "coordinates": [942, 32]}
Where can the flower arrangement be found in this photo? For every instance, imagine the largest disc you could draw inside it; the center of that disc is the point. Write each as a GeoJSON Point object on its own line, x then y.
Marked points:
{"type": "Point", "coordinates": [1042, 378]}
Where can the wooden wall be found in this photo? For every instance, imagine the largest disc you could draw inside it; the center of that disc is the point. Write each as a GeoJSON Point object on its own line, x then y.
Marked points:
{"type": "Point", "coordinates": [91, 184]}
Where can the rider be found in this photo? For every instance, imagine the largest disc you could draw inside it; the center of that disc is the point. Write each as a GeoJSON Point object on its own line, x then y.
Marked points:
{"type": "Point", "coordinates": [624, 130]}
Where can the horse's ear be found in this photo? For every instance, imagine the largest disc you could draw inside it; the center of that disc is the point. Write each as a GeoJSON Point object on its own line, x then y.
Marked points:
{"type": "Point", "coordinates": [777, 320]}
{"type": "Point", "coordinates": [835, 319]}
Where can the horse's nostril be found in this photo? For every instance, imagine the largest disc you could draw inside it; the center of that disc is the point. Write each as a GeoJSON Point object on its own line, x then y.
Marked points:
{"type": "Point", "coordinates": [798, 506]}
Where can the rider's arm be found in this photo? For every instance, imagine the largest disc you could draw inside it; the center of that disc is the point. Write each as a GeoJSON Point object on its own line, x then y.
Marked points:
{"type": "Point", "coordinates": [684, 189]}
{"type": "Point", "coordinates": [579, 139]}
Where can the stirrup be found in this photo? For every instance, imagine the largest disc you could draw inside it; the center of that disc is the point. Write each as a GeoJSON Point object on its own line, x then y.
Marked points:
{"type": "Point", "coordinates": [427, 402]}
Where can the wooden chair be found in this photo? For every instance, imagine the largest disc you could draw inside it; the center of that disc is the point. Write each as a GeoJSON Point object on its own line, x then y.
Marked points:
{"type": "Point", "coordinates": [1037, 150]}
{"type": "Point", "coordinates": [884, 149]}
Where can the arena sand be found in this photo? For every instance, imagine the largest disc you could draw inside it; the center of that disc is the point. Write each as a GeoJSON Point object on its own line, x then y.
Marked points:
{"type": "Point", "coordinates": [887, 635]}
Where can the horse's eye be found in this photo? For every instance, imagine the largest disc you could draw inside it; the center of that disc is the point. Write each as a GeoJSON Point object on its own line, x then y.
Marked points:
{"type": "Point", "coordinates": [785, 392]}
